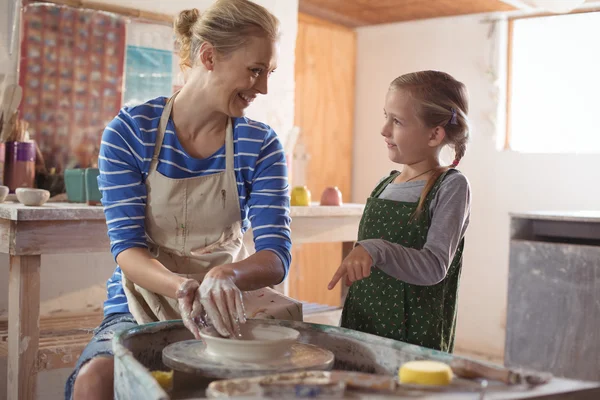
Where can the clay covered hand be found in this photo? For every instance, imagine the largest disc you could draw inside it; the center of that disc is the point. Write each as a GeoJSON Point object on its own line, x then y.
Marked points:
{"type": "Point", "coordinates": [356, 266]}
{"type": "Point", "coordinates": [190, 308]}
{"type": "Point", "coordinates": [223, 302]}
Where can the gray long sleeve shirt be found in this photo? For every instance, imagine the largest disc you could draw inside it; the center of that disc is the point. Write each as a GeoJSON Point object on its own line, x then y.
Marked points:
{"type": "Point", "coordinates": [449, 210]}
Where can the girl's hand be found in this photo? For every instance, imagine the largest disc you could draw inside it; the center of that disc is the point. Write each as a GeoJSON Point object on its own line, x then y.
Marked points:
{"type": "Point", "coordinates": [222, 301]}
{"type": "Point", "coordinates": [190, 308]}
{"type": "Point", "coordinates": [356, 266]}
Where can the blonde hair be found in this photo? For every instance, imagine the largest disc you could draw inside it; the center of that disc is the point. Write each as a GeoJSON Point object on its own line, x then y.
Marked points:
{"type": "Point", "coordinates": [226, 25]}
{"type": "Point", "coordinates": [440, 100]}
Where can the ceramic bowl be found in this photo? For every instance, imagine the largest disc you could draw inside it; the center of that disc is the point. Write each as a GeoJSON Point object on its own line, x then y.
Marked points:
{"type": "Point", "coordinates": [3, 193]}
{"type": "Point", "coordinates": [32, 197]}
{"type": "Point", "coordinates": [258, 342]}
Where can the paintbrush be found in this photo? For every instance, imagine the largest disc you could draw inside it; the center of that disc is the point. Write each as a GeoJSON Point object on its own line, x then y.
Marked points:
{"type": "Point", "coordinates": [10, 103]}
{"type": "Point", "coordinates": [2, 78]}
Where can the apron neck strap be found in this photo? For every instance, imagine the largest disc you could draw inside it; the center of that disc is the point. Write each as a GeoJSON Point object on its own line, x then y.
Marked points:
{"type": "Point", "coordinates": [160, 132]}
{"type": "Point", "coordinates": [162, 128]}
{"type": "Point", "coordinates": [383, 184]}
{"type": "Point", "coordinates": [229, 157]}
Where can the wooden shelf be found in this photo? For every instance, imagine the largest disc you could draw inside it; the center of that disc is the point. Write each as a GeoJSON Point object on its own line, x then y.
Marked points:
{"type": "Point", "coordinates": [62, 339]}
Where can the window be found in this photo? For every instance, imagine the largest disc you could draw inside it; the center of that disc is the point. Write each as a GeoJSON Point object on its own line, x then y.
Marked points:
{"type": "Point", "coordinates": [554, 84]}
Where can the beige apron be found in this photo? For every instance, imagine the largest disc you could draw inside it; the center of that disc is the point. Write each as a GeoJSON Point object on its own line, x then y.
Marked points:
{"type": "Point", "coordinates": [193, 225]}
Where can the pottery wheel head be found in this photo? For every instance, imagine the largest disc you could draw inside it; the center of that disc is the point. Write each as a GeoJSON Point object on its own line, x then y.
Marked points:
{"type": "Point", "coordinates": [190, 356]}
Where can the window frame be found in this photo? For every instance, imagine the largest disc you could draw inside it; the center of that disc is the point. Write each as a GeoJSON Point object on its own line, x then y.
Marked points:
{"type": "Point", "coordinates": [509, 63]}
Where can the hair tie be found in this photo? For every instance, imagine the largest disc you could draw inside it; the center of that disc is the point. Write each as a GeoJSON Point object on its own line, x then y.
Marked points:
{"type": "Point", "coordinates": [453, 120]}
{"type": "Point", "coordinates": [455, 163]}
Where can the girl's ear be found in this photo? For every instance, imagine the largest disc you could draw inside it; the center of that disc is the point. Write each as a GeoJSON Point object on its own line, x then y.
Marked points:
{"type": "Point", "coordinates": [437, 136]}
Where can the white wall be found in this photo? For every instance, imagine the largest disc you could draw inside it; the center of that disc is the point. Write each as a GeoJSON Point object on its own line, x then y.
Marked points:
{"type": "Point", "coordinates": [502, 181]}
{"type": "Point", "coordinates": [276, 109]}
{"type": "Point", "coordinates": [78, 281]}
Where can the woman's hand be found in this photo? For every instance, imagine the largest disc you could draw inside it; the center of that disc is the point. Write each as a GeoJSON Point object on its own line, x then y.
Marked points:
{"type": "Point", "coordinates": [222, 300]}
{"type": "Point", "coordinates": [356, 266]}
{"type": "Point", "coordinates": [190, 308]}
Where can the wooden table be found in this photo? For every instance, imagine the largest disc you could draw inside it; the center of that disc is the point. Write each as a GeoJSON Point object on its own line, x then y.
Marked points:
{"type": "Point", "coordinates": [60, 228]}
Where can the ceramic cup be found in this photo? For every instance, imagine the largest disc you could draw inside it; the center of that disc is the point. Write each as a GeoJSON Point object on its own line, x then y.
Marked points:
{"type": "Point", "coordinates": [32, 197]}
{"type": "Point", "coordinates": [3, 193]}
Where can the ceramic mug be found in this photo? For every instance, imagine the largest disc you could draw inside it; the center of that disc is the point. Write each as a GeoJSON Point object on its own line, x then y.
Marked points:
{"type": "Point", "coordinates": [75, 185]}
{"type": "Point", "coordinates": [92, 192]}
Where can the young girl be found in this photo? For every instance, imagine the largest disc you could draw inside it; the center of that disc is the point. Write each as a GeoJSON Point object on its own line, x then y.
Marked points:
{"type": "Point", "coordinates": [405, 270]}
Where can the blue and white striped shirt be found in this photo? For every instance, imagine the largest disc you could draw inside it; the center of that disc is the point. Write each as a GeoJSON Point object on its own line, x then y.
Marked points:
{"type": "Point", "coordinates": [125, 153]}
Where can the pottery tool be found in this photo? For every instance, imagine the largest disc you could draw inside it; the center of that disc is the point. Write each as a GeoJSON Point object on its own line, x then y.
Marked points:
{"type": "Point", "coordinates": [287, 385]}
{"type": "Point", "coordinates": [16, 130]}
{"type": "Point", "coordinates": [469, 369]}
{"type": "Point", "coordinates": [337, 383]}
{"type": "Point", "coordinates": [323, 384]}
{"type": "Point", "coordinates": [12, 98]}
{"type": "Point", "coordinates": [2, 79]}
{"type": "Point", "coordinates": [432, 373]}
{"type": "Point", "coordinates": [301, 390]}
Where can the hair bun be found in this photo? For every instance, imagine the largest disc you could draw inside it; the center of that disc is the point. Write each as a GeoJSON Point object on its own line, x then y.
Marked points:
{"type": "Point", "coordinates": [185, 21]}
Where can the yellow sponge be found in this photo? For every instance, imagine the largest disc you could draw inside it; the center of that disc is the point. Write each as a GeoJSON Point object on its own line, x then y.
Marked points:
{"type": "Point", "coordinates": [164, 379]}
{"type": "Point", "coordinates": [425, 373]}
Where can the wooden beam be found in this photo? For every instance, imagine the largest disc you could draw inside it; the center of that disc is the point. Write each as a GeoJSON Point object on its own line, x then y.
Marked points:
{"type": "Point", "coordinates": [308, 8]}
{"type": "Point", "coordinates": [356, 13]}
{"type": "Point", "coordinates": [548, 14]}
{"type": "Point", "coordinates": [162, 19]}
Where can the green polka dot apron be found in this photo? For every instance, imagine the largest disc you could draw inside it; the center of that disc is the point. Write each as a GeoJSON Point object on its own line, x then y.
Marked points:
{"type": "Point", "coordinates": [385, 306]}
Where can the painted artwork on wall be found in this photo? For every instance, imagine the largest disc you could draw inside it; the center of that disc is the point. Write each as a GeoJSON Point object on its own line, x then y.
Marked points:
{"type": "Point", "coordinates": [149, 74]}
{"type": "Point", "coordinates": [151, 65]}
{"type": "Point", "coordinates": [71, 72]}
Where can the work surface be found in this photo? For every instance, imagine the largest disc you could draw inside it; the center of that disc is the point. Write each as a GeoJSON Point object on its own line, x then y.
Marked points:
{"type": "Point", "coordinates": [68, 211]}
{"type": "Point", "coordinates": [139, 350]}
{"type": "Point", "coordinates": [64, 228]}
{"type": "Point", "coordinates": [46, 229]}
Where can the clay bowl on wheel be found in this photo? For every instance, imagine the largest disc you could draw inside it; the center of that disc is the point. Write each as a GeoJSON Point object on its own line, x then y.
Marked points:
{"type": "Point", "coordinates": [258, 342]}
{"type": "Point", "coordinates": [3, 193]}
{"type": "Point", "coordinates": [32, 197]}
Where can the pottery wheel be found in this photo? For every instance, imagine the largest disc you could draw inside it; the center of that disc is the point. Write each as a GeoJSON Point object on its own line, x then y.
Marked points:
{"type": "Point", "coordinates": [190, 356]}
